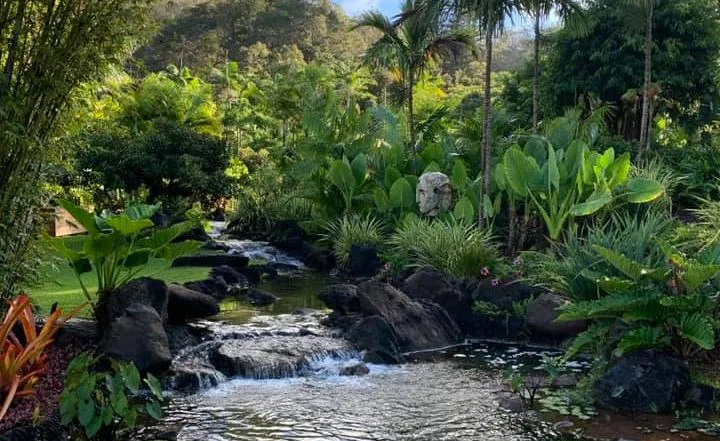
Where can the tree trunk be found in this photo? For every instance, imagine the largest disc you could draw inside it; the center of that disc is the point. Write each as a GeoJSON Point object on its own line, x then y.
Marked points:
{"type": "Point", "coordinates": [487, 128]}
{"type": "Point", "coordinates": [411, 119]}
{"type": "Point", "coordinates": [645, 121]}
{"type": "Point", "coordinates": [536, 73]}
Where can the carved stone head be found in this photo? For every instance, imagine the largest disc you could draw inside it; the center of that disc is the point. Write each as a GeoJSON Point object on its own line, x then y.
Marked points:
{"type": "Point", "coordinates": [433, 193]}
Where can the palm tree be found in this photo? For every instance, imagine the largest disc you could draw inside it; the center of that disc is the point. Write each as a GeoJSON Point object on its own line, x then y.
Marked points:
{"type": "Point", "coordinates": [568, 10]}
{"type": "Point", "coordinates": [408, 44]}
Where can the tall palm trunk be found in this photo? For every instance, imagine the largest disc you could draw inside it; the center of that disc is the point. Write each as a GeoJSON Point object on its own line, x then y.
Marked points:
{"type": "Point", "coordinates": [487, 127]}
{"type": "Point", "coordinates": [411, 118]}
{"type": "Point", "coordinates": [645, 121]}
{"type": "Point", "coordinates": [536, 73]}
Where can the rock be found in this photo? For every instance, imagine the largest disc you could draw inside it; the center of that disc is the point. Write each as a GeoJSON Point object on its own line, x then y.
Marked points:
{"type": "Point", "coordinates": [143, 291]}
{"type": "Point", "coordinates": [76, 331]}
{"type": "Point", "coordinates": [342, 298]}
{"type": "Point", "coordinates": [214, 286]}
{"type": "Point", "coordinates": [181, 337]}
{"type": "Point", "coordinates": [214, 245]}
{"type": "Point", "coordinates": [185, 304]}
{"type": "Point", "coordinates": [212, 260]}
{"type": "Point", "coordinates": [357, 369]}
{"type": "Point", "coordinates": [503, 295]}
{"type": "Point", "coordinates": [229, 275]}
{"type": "Point", "coordinates": [418, 325]}
{"type": "Point", "coordinates": [644, 381]}
{"type": "Point", "coordinates": [160, 219]}
{"type": "Point", "coordinates": [257, 297]}
{"type": "Point", "coordinates": [321, 260]}
{"type": "Point", "coordinates": [565, 381]}
{"type": "Point", "coordinates": [431, 284]}
{"type": "Point", "coordinates": [138, 336]}
{"type": "Point", "coordinates": [279, 357]}
{"type": "Point", "coordinates": [703, 396]}
{"type": "Point", "coordinates": [197, 233]}
{"type": "Point", "coordinates": [426, 283]}
{"type": "Point", "coordinates": [542, 313]}
{"type": "Point", "coordinates": [375, 336]}
{"type": "Point", "coordinates": [433, 193]}
{"type": "Point", "coordinates": [364, 261]}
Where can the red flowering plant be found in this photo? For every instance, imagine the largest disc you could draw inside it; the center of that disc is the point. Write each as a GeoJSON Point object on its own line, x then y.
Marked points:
{"type": "Point", "coordinates": [22, 360]}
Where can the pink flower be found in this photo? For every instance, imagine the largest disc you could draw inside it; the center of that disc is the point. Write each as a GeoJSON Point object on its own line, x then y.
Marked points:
{"type": "Point", "coordinates": [484, 271]}
{"type": "Point", "coordinates": [495, 282]}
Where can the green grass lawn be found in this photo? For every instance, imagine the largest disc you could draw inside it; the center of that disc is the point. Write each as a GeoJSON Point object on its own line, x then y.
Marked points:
{"type": "Point", "coordinates": [59, 284]}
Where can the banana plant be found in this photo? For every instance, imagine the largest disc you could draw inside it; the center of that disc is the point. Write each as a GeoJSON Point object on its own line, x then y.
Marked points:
{"type": "Point", "coordinates": [567, 183]}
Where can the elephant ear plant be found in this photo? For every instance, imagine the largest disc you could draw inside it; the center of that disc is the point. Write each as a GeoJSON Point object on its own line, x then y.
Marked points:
{"type": "Point", "coordinates": [117, 247]}
{"type": "Point", "coordinates": [572, 182]}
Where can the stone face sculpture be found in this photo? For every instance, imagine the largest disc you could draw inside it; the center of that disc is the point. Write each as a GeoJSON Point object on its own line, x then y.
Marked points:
{"type": "Point", "coordinates": [433, 193]}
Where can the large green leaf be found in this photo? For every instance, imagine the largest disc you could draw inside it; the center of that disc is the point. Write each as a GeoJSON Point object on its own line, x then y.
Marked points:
{"type": "Point", "coordinates": [459, 176]}
{"type": "Point", "coordinates": [127, 226]}
{"type": "Point", "coordinates": [402, 195]}
{"type": "Point", "coordinates": [391, 175]}
{"type": "Point", "coordinates": [642, 190]}
{"type": "Point", "coordinates": [141, 211]}
{"type": "Point", "coordinates": [698, 329]}
{"type": "Point", "coordinates": [160, 238]}
{"type": "Point", "coordinates": [573, 160]}
{"type": "Point", "coordinates": [86, 411]}
{"type": "Point", "coordinates": [642, 338]}
{"type": "Point", "coordinates": [433, 167]}
{"type": "Point", "coordinates": [84, 218]}
{"type": "Point", "coordinates": [341, 175]}
{"type": "Point", "coordinates": [520, 170]}
{"type": "Point", "coordinates": [359, 168]}
{"type": "Point", "coordinates": [630, 268]}
{"type": "Point", "coordinates": [619, 171]}
{"type": "Point", "coordinates": [382, 201]}
{"type": "Point", "coordinates": [138, 258]}
{"type": "Point", "coordinates": [596, 201]}
{"type": "Point", "coordinates": [464, 210]}
{"type": "Point", "coordinates": [553, 175]}
{"type": "Point", "coordinates": [172, 251]}
{"type": "Point", "coordinates": [697, 275]}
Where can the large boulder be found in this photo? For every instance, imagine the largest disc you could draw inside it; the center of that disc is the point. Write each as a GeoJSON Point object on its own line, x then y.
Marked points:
{"type": "Point", "coordinates": [230, 275]}
{"type": "Point", "coordinates": [212, 260]}
{"type": "Point", "coordinates": [185, 304]}
{"type": "Point", "coordinates": [430, 284]}
{"type": "Point", "coordinates": [258, 297]}
{"type": "Point", "coordinates": [542, 314]}
{"type": "Point", "coordinates": [644, 381]}
{"type": "Point", "coordinates": [143, 291]}
{"type": "Point", "coordinates": [503, 295]}
{"type": "Point", "coordinates": [138, 336]}
{"type": "Point", "coordinates": [213, 286]}
{"type": "Point", "coordinates": [418, 325]}
{"type": "Point", "coordinates": [342, 298]}
{"type": "Point", "coordinates": [364, 261]}
{"type": "Point", "coordinates": [376, 337]}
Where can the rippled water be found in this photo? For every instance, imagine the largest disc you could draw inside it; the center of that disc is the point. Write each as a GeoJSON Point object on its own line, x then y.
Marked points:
{"type": "Point", "coordinates": [427, 401]}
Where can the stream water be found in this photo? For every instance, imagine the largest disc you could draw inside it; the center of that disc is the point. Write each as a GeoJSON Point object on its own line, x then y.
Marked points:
{"type": "Point", "coordinates": [452, 398]}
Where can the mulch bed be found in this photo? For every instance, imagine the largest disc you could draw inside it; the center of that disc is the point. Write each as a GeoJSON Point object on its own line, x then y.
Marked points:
{"type": "Point", "coordinates": [47, 391]}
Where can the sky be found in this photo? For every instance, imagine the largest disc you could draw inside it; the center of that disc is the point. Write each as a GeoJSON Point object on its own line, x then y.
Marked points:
{"type": "Point", "coordinates": [392, 7]}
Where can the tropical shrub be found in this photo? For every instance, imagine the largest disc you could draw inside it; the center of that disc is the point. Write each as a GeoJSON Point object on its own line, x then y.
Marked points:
{"type": "Point", "coordinates": [22, 359]}
{"type": "Point", "coordinates": [103, 402]}
{"type": "Point", "coordinates": [119, 246]}
{"type": "Point", "coordinates": [353, 230]}
{"type": "Point", "coordinates": [672, 306]}
{"type": "Point", "coordinates": [564, 179]}
{"type": "Point", "coordinates": [633, 235]}
{"type": "Point", "coordinates": [450, 245]}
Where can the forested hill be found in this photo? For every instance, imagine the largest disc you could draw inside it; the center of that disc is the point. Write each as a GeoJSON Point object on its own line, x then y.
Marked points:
{"type": "Point", "coordinates": [201, 34]}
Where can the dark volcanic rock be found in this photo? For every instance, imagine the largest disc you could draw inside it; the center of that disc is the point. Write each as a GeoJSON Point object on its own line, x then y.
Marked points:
{"type": "Point", "coordinates": [214, 286]}
{"type": "Point", "coordinates": [504, 295]}
{"type": "Point", "coordinates": [143, 291]}
{"type": "Point", "coordinates": [418, 325]}
{"type": "Point", "coordinates": [138, 336]}
{"type": "Point", "coordinates": [376, 337]}
{"type": "Point", "coordinates": [644, 381]}
{"type": "Point", "coordinates": [341, 298]}
{"type": "Point", "coordinates": [181, 337]}
{"type": "Point", "coordinates": [364, 261]}
{"type": "Point", "coordinates": [185, 304]}
{"type": "Point", "coordinates": [212, 260]}
{"type": "Point", "coordinates": [257, 297]}
{"type": "Point", "coordinates": [230, 275]}
{"type": "Point", "coordinates": [357, 369]}
{"type": "Point", "coordinates": [542, 313]}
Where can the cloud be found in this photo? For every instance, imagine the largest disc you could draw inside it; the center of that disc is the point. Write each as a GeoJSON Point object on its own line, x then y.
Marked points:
{"type": "Point", "coordinates": [355, 7]}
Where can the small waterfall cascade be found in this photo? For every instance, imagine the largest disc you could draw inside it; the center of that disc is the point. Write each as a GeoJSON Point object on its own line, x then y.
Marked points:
{"type": "Point", "coordinates": [267, 347]}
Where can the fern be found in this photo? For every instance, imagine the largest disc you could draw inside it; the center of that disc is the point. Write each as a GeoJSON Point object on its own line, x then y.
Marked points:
{"type": "Point", "coordinates": [589, 340]}
{"type": "Point", "coordinates": [697, 275]}
{"type": "Point", "coordinates": [611, 306]}
{"type": "Point", "coordinates": [643, 337]}
{"type": "Point", "coordinates": [697, 329]}
{"type": "Point", "coordinates": [634, 270]}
